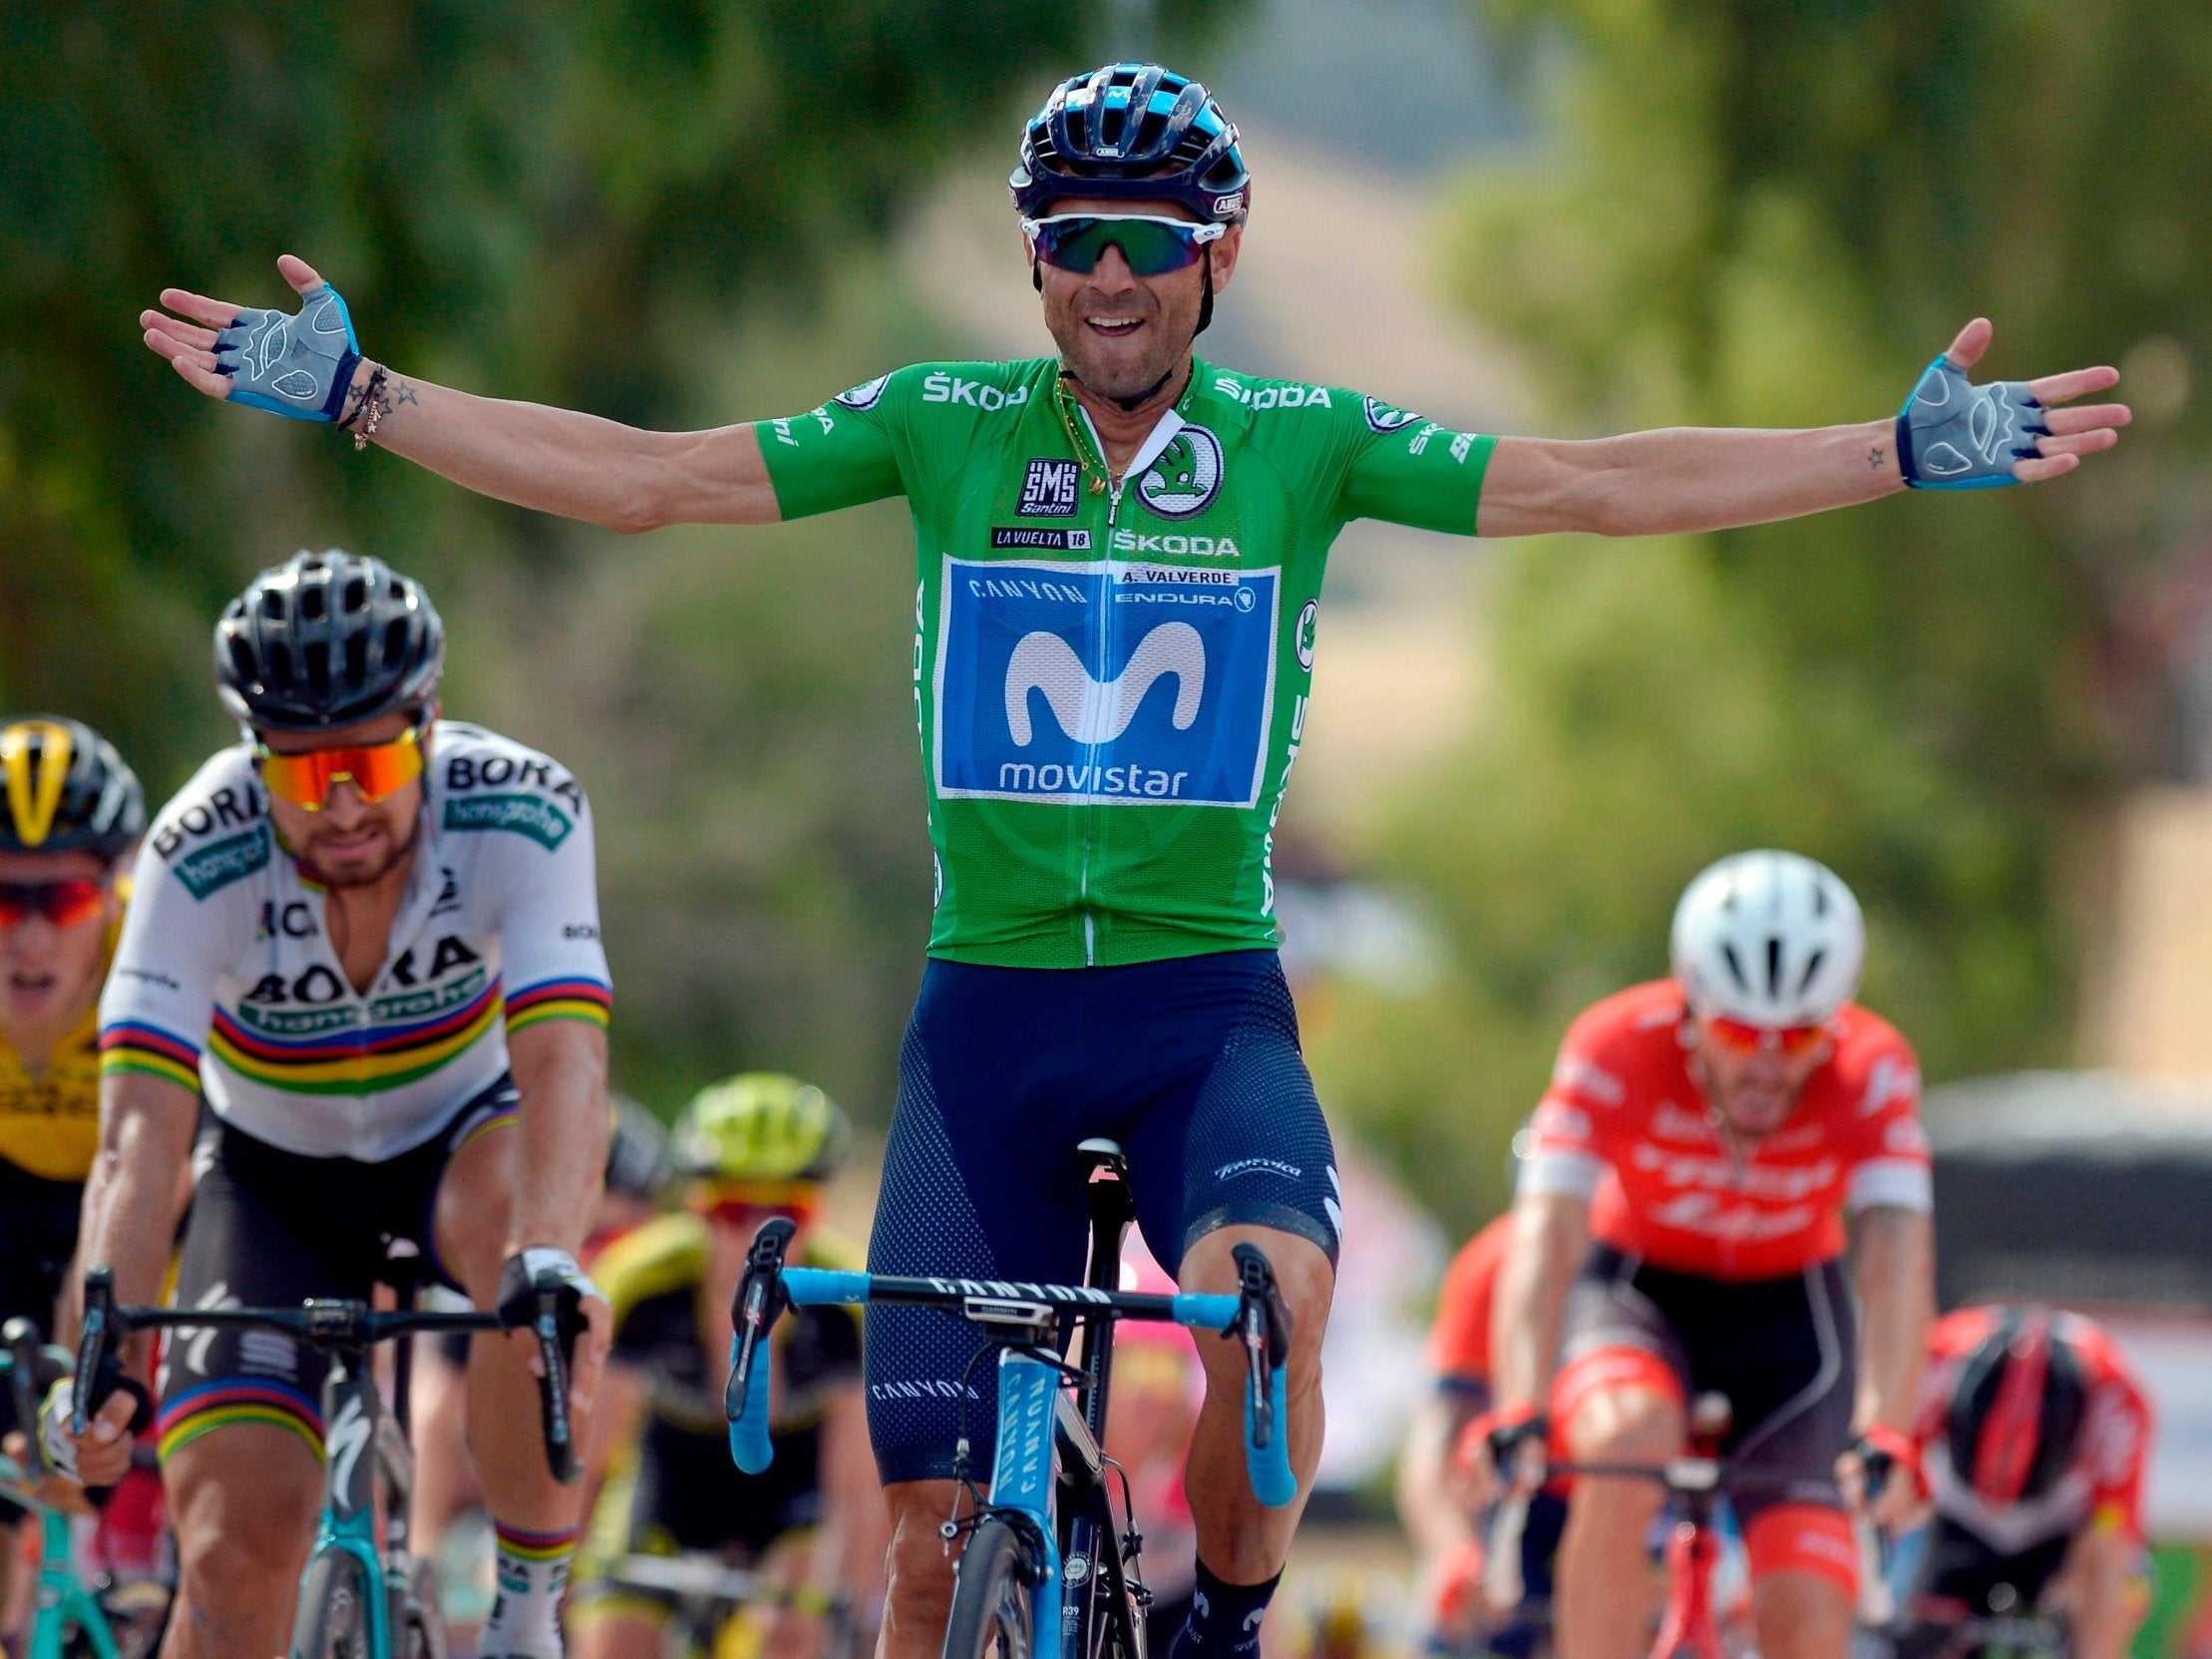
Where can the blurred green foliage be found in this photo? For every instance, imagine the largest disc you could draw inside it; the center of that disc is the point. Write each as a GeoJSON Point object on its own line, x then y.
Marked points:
{"type": "Point", "coordinates": [1753, 215]}
{"type": "Point", "coordinates": [662, 210]}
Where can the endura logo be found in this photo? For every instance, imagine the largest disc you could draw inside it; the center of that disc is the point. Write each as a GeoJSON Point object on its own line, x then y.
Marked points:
{"type": "Point", "coordinates": [1093, 712]}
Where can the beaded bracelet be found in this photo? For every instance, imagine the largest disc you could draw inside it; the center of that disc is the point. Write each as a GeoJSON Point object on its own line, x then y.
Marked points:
{"type": "Point", "coordinates": [372, 399]}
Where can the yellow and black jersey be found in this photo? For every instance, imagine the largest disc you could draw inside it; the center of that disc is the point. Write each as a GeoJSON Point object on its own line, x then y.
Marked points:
{"type": "Point", "coordinates": [654, 1279]}
{"type": "Point", "coordinates": [50, 1122]}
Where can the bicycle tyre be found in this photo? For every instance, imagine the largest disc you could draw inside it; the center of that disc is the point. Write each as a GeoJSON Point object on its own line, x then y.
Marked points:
{"type": "Point", "coordinates": [334, 1609]}
{"type": "Point", "coordinates": [991, 1612]}
{"type": "Point", "coordinates": [421, 1633]}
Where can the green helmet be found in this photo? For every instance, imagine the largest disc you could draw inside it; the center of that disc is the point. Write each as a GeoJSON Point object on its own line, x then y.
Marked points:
{"type": "Point", "coordinates": [760, 1126]}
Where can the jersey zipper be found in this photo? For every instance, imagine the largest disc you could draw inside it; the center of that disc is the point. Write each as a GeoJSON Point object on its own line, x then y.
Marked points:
{"type": "Point", "coordinates": [1094, 823]}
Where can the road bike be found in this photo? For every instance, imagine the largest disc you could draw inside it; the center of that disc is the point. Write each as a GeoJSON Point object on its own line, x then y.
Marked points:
{"type": "Point", "coordinates": [1046, 1570]}
{"type": "Point", "coordinates": [361, 1597]}
{"type": "Point", "coordinates": [1690, 1627]}
{"type": "Point", "coordinates": [69, 1616]}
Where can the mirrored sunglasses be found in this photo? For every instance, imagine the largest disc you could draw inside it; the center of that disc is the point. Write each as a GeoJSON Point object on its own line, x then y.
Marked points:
{"type": "Point", "coordinates": [377, 771]}
{"type": "Point", "coordinates": [1743, 1037]}
{"type": "Point", "coordinates": [63, 903]}
{"type": "Point", "coordinates": [1077, 242]}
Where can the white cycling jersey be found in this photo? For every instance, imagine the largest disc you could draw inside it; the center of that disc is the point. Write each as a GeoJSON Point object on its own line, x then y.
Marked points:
{"type": "Point", "coordinates": [226, 981]}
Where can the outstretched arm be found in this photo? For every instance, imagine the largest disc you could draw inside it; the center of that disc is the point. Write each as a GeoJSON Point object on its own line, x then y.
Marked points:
{"type": "Point", "coordinates": [1683, 479]}
{"type": "Point", "coordinates": [551, 460]}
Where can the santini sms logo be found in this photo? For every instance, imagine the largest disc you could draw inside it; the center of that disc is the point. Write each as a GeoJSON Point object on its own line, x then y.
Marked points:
{"type": "Point", "coordinates": [1048, 689]}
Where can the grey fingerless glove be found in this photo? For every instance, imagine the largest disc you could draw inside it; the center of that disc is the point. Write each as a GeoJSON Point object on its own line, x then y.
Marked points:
{"type": "Point", "coordinates": [299, 366]}
{"type": "Point", "coordinates": [1954, 435]}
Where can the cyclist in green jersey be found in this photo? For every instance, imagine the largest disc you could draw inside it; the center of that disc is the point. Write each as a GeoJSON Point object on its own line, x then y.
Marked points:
{"type": "Point", "coordinates": [1119, 555]}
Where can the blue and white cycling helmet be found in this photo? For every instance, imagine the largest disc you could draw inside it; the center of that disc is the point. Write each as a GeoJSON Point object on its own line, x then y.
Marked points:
{"type": "Point", "coordinates": [1132, 133]}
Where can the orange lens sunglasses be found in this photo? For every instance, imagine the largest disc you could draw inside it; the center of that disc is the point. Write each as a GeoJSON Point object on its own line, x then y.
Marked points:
{"type": "Point", "coordinates": [65, 903]}
{"type": "Point", "coordinates": [377, 771]}
{"type": "Point", "coordinates": [1743, 1037]}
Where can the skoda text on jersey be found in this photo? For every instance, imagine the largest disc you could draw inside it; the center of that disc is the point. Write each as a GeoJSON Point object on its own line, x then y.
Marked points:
{"type": "Point", "coordinates": [226, 979]}
{"type": "Point", "coordinates": [1111, 684]}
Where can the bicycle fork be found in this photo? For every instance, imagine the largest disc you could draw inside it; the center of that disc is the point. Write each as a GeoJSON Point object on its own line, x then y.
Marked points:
{"type": "Point", "coordinates": [1692, 1555]}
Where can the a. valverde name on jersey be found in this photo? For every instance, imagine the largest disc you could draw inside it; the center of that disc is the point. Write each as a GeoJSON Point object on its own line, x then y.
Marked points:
{"type": "Point", "coordinates": [226, 983]}
{"type": "Point", "coordinates": [1110, 683]}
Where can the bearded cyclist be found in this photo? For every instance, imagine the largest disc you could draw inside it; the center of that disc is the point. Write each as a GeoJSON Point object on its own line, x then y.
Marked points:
{"type": "Point", "coordinates": [70, 813]}
{"type": "Point", "coordinates": [1120, 552]}
{"type": "Point", "coordinates": [1679, 1228]}
{"type": "Point", "coordinates": [369, 938]}
{"type": "Point", "coordinates": [2035, 1430]}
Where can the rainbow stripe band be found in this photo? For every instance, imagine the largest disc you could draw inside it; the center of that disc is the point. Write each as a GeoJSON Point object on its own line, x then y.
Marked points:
{"type": "Point", "coordinates": [131, 1046]}
{"type": "Point", "coordinates": [559, 999]}
{"type": "Point", "coordinates": [536, 1546]}
{"type": "Point", "coordinates": [210, 1406]}
{"type": "Point", "coordinates": [353, 1062]}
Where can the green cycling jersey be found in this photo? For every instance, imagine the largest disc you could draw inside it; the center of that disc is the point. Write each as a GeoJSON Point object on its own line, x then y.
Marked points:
{"type": "Point", "coordinates": [1111, 680]}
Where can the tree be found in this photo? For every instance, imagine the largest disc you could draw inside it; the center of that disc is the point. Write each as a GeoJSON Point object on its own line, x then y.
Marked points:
{"type": "Point", "coordinates": [661, 211]}
{"type": "Point", "coordinates": [1760, 218]}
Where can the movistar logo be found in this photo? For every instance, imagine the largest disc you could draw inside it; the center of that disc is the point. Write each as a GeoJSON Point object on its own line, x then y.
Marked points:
{"type": "Point", "coordinates": [1091, 711]}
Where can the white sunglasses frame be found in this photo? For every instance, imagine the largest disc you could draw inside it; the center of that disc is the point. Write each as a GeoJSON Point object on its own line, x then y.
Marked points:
{"type": "Point", "coordinates": [1201, 234]}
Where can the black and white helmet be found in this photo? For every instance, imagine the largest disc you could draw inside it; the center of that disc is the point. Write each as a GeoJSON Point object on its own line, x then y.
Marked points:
{"type": "Point", "coordinates": [327, 639]}
{"type": "Point", "coordinates": [1772, 939]}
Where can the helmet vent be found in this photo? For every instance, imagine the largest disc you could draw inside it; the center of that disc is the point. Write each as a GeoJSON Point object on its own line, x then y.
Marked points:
{"type": "Point", "coordinates": [1773, 965]}
{"type": "Point", "coordinates": [357, 659]}
{"type": "Point", "coordinates": [311, 601]}
{"type": "Point", "coordinates": [357, 592]}
{"type": "Point", "coordinates": [1736, 965]}
{"type": "Point", "coordinates": [280, 669]}
{"type": "Point", "coordinates": [1812, 968]}
{"type": "Point", "coordinates": [395, 640]}
{"type": "Point", "coordinates": [318, 668]}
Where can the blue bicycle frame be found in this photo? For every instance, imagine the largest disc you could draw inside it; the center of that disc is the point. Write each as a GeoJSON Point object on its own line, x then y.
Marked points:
{"type": "Point", "coordinates": [1041, 1432]}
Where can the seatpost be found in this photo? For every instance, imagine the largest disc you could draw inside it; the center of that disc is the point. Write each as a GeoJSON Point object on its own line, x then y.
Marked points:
{"type": "Point", "coordinates": [1111, 1211]}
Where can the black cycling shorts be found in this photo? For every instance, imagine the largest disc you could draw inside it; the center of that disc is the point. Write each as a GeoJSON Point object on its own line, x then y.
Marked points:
{"type": "Point", "coordinates": [1192, 1064]}
{"type": "Point", "coordinates": [1784, 1351]}
{"type": "Point", "coordinates": [38, 1236]}
{"type": "Point", "coordinates": [270, 1229]}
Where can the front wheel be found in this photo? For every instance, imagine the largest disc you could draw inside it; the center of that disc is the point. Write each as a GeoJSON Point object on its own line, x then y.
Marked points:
{"type": "Point", "coordinates": [994, 1613]}
{"type": "Point", "coordinates": [334, 1609]}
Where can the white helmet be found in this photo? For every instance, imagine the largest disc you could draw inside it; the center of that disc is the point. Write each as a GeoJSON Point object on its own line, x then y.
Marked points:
{"type": "Point", "coordinates": [1770, 937]}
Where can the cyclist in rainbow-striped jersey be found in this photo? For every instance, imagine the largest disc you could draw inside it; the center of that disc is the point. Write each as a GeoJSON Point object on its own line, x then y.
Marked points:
{"type": "Point", "coordinates": [369, 939]}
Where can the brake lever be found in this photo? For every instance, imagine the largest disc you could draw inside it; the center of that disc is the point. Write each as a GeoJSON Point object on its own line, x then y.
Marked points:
{"type": "Point", "coordinates": [758, 1303]}
{"type": "Point", "coordinates": [1263, 1326]}
{"type": "Point", "coordinates": [552, 1390]}
{"type": "Point", "coordinates": [21, 1337]}
{"type": "Point", "coordinates": [95, 1348]}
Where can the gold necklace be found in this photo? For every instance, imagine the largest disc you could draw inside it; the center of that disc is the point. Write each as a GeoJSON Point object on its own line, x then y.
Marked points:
{"type": "Point", "coordinates": [1101, 479]}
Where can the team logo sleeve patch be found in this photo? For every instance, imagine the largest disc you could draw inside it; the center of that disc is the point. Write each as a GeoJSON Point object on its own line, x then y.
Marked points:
{"type": "Point", "coordinates": [219, 863]}
{"type": "Point", "coordinates": [1096, 683]}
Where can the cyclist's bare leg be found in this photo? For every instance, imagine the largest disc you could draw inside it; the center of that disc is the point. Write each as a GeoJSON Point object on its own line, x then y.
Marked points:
{"type": "Point", "coordinates": [1604, 1606]}
{"type": "Point", "coordinates": [503, 1433]}
{"type": "Point", "coordinates": [445, 1479]}
{"type": "Point", "coordinates": [243, 1500]}
{"type": "Point", "coordinates": [1801, 1615]}
{"type": "Point", "coordinates": [1239, 1539]}
{"type": "Point", "coordinates": [620, 1636]}
{"type": "Point", "coordinates": [918, 1598]}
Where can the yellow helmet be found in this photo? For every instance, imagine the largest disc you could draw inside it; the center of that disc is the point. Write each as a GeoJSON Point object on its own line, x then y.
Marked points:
{"type": "Point", "coordinates": [63, 788]}
{"type": "Point", "coordinates": [760, 1126]}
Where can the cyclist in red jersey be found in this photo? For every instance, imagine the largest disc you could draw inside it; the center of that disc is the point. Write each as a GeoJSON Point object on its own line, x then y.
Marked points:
{"type": "Point", "coordinates": [2033, 1428]}
{"type": "Point", "coordinates": [1441, 1474]}
{"type": "Point", "coordinates": [1679, 1228]}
